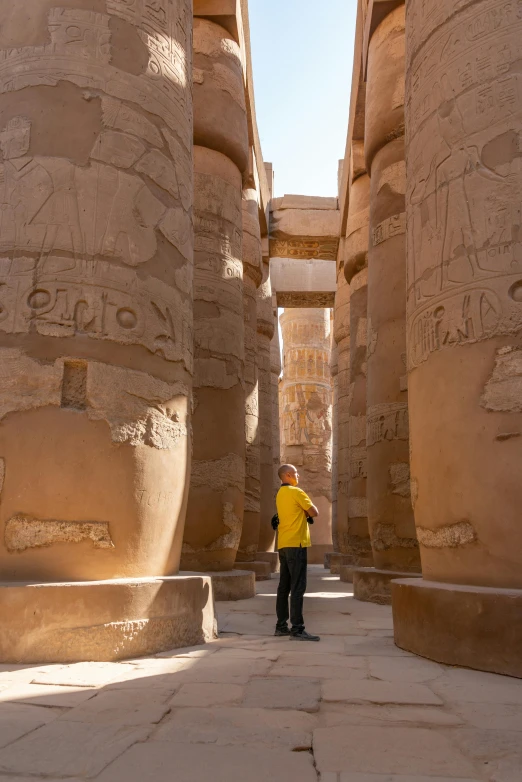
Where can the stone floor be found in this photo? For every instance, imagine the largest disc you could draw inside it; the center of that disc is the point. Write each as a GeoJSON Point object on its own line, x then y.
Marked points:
{"type": "Point", "coordinates": [252, 708]}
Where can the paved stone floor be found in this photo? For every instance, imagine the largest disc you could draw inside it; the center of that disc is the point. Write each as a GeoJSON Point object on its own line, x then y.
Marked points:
{"type": "Point", "coordinates": [253, 708]}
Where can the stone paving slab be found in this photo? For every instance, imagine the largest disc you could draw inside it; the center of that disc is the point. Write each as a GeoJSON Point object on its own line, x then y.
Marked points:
{"type": "Point", "coordinates": [69, 749]}
{"type": "Point", "coordinates": [290, 693]}
{"type": "Point", "coordinates": [224, 726]}
{"type": "Point", "coordinates": [390, 750]}
{"type": "Point", "coordinates": [378, 716]}
{"type": "Point", "coordinates": [46, 695]}
{"type": "Point", "coordinates": [208, 694]}
{"type": "Point", "coordinates": [379, 692]}
{"type": "Point", "coordinates": [239, 707]}
{"type": "Point", "coordinates": [122, 707]}
{"type": "Point", "coordinates": [161, 762]}
{"type": "Point", "coordinates": [329, 777]}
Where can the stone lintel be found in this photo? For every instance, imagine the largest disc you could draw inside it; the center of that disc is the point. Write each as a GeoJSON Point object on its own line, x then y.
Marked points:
{"type": "Point", "coordinates": [319, 300]}
{"type": "Point", "coordinates": [306, 280]}
{"type": "Point", "coordinates": [226, 13]}
{"type": "Point", "coordinates": [455, 624]}
{"type": "Point", "coordinates": [304, 227]}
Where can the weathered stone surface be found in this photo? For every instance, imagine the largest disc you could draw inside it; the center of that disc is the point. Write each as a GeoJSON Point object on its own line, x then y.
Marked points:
{"type": "Point", "coordinates": [194, 763]}
{"type": "Point", "coordinates": [463, 190]}
{"type": "Point", "coordinates": [413, 751]}
{"type": "Point", "coordinates": [69, 748]}
{"type": "Point", "coordinates": [287, 693]}
{"type": "Point", "coordinates": [122, 707]}
{"type": "Point", "coordinates": [306, 414]}
{"type": "Point", "coordinates": [205, 695]}
{"type": "Point", "coordinates": [301, 230]}
{"type": "Point", "coordinates": [379, 692]}
{"type": "Point", "coordinates": [232, 726]}
{"type": "Point", "coordinates": [103, 620]}
{"type": "Point", "coordinates": [390, 513]}
{"type": "Point", "coordinates": [217, 489]}
{"type": "Point", "coordinates": [485, 629]}
{"type": "Point", "coordinates": [96, 279]}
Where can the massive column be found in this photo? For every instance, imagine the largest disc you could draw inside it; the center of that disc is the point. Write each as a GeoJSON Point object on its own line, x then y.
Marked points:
{"type": "Point", "coordinates": [390, 513]}
{"type": "Point", "coordinates": [217, 489]}
{"type": "Point", "coordinates": [357, 545]}
{"type": "Point", "coordinates": [334, 372]}
{"type": "Point", "coordinates": [306, 409]}
{"type": "Point", "coordinates": [252, 277]}
{"type": "Point", "coordinates": [464, 187]}
{"type": "Point", "coordinates": [265, 333]}
{"type": "Point", "coordinates": [95, 329]}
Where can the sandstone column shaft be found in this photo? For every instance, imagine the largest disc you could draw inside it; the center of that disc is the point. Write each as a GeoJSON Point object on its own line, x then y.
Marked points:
{"type": "Point", "coordinates": [216, 500]}
{"type": "Point", "coordinates": [356, 544]}
{"type": "Point", "coordinates": [275, 366]}
{"type": "Point", "coordinates": [388, 486]}
{"type": "Point", "coordinates": [265, 333]}
{"type": "Point", "coordinates": [334, 372]}
{"type": "Point", "coordinates": [306, 409]}
{"type": "Point", "coordinates": [465, 293]}
{"type": "Point", "coordinates": [96, 288]}
{"type": "Point", "coordinates": [253, 270]}
{"type": "Point", "coordinates": [464, 186]}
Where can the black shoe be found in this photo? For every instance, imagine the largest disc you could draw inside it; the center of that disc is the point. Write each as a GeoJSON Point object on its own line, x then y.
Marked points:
{"type": "Point", "coordinates": [282, 631]}
{"type": "Point", "coordinates": [304, 636]}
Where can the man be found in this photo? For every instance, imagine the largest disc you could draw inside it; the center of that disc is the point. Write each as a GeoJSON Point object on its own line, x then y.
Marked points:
{"type": "Point", "coordinates": [294, 507]}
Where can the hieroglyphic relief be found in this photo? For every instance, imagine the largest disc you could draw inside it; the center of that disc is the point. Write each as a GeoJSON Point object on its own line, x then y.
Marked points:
{"type": "Point", "coordinates": [387, 422]}
{"type": "Point", "coordinates": [62, 227]}
{"type": "Point", "coordinates": [80, 52]}
{"type": "Point", "coordinates": [465, 195]}
{"type": "Point", "coordinates": [306, 249]}
{"type": "Point", "coordinates": [306, 414]}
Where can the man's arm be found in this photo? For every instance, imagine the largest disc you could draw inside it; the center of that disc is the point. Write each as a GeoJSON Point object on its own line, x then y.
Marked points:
{"type": "Point", "coordinates": [312, 511]}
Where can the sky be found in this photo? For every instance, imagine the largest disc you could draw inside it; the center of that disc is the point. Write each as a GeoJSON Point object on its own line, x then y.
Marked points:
{"type": "Point", "coordinates": [302, 53]}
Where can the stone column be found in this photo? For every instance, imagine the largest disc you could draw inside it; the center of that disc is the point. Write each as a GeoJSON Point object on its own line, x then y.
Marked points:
{"type": "Point", "coordinates": [217, 489]}
{"type": "Point", "coordinates": [334, 372]}
{"type": "Point", "coordinates": [275, 369]}
{"type": "Point", "coordinates": [464, 185]}
{"type": "Point", "coordinates": [355, 270]}
{"type": "Point", "coordinates": [95, 330]}
{"type": "Point", "coordinates": [390, 513]}
{"type": "Point", "coordinates": [265, 333]}
{"type": "Point", "coordinates": [252, 277]}
{"type": "Point", "coordinates": [306, 402]}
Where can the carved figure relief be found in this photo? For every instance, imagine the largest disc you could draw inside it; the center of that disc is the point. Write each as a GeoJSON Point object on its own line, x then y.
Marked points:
{"type": "Point", "coordinates": [464, 202]}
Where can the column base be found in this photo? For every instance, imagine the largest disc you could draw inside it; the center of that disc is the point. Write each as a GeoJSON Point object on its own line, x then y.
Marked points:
{"type": "Point", "coordinates": [234, 584]}
{"type": "Point", "coordinates": [336, 560]}
{"type": "Point", "coordinates": [346, 573]}
{"type": "Point", "coordinates": [262, 570]}
{"type": "Point", "coordinates": [474, 627]}
{"type": "Point", "coordinates": [371, 585]}
{"type": "Point", "coordinates": [317, 553]}
{"type": "Point", "coordinates": [272, 557]}
{"type": "Point", "coordinates": [327, 559]}
{"type": "Point", "coordinates": [104, 621]}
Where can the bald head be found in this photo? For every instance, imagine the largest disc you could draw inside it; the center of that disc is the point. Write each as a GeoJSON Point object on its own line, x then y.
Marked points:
{"type": "Point", "coordinates": [288, 474]}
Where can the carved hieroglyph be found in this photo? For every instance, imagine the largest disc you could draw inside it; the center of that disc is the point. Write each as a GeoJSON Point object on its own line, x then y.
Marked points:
{"type": "Point", "coordinates": [275, 368]}
{"type": "Point", "coordinates": [96, 261]}
{"type": "Point", "coordinates": [390, 512]}
{"type": "Point", "coordinates": [464, 195]}
{"type": "Point", "coordinates": [306, 413]}
{"type": "Point", "coordinates": [252, 277]}
{"type": "Point", "coordinates": [265, 333]}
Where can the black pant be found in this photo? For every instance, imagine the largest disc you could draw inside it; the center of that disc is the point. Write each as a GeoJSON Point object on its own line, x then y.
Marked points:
{"type": "Point", "coordinates": [292, 581]}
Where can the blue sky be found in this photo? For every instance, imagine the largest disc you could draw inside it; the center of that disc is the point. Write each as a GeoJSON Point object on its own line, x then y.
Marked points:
{"type": "Point", "coordinates": [302, 55]}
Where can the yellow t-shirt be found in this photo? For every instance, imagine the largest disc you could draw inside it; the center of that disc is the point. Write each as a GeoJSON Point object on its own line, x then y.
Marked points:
{"type": "Point", "coordinates": [293, 532]}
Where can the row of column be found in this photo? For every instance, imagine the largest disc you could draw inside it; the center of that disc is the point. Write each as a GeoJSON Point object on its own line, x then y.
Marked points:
{"type": "Point", "coordinates": [136, 312]}
{"type": "Point", "coordinates": [444, 273]}
{"type": "Point", "coordinates": [375, 525]}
